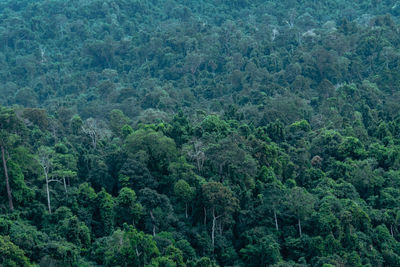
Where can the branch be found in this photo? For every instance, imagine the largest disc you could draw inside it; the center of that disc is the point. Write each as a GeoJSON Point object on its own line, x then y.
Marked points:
{"type": "Point", "coordinates": [137, 252]}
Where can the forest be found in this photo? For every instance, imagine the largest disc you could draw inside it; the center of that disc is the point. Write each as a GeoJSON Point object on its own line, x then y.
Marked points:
{"type": "Point", "coordinates": [166, 133]}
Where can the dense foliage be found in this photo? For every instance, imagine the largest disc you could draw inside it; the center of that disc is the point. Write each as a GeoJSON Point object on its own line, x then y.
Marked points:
{"type": "Point", "coordinates": [199, 133]}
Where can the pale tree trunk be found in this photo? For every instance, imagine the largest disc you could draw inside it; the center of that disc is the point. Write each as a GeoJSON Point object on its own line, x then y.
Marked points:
{"type": "Point", "coordinates": [186, 210]}
{"type": "Point", "coordinates": [300, 227]}
{"type": "Point", "coordinates": [47, 189]}
{"type": "Point", "coordinates": [154, 223]}
{"type": "Point", "coordinates": [3, 157]}
{"type": "Point", "coordinates": [276, 221]}
{"type": "Point", "coordinates": [65, 185]}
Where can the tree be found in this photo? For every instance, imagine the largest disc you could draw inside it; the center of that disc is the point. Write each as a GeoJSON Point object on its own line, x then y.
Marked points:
{"type": "Point", "coordinates": [126, 207]}
{"type": "Point", "coordinates": [9, 125]}
{"type": "Point", "coordinates": [106, 212]}
{"type": "Point", "coordinates": [45, 159]}
{"type": "Point", "coordinates": [27, 238]}
{"type": "Point", "coordinates": [263, 251]}
{"type": "Point", "coordinates": [195, 151]}
{"type": "Point", "coordinates": [351, 147]}
{"type": "Point", "coordinates": [159, 151]}
{"type": "Point", "coordinates": [300, 203]}
{"type": "Point", "coordinates": [212, 124]}
{"type": "Point", "coordinates": [61, 253]}
{"type": "Point", "coordinates": [74, 231]}
{"type": "Point", "coordinates": [10, 254]}
{"type": "Point", "coordinates": [92, 128]}
{"type": "Point", "coordinates": [4, 160]}
{"type": "Point", "coordinates": [273, 195]}
{"type": "Point", "coordinates": [158, 208]}
{"type": "Point", "coordinates": [172, 256]}
{"type": "Point", "coordinates": [229, 159]}
{"type": "Point", "coordinates": [63, 165]}
{"type": "Point", "coordinates": [188, 251]}
{"type": "Point", "coordinates": [185, 193]}
{"type": "Point", "coordinates": [87, 202]}
{"type": "Point", "coordinates": [99, 172]}
{"type": "Point", "coordinates": [222, 203]}
{"type": "Point", "coordinates": [129, 247]}
{"type": "Point", "coordinates": [76, 124]}
{"type": "Point", "coordinates": [180, 129]}
{"type": "Point", "coordinates": [135, 174]}
{"type": "Point", "coordinates": [117, 121]}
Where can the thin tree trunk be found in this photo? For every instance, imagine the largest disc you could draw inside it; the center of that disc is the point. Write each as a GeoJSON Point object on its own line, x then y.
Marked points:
{"type": "Point", "coordinates": [300, 227]}
{"type": "Point", "coordinates": [137, 252]}
{"type": "Point", "coordinates": [213, 227]}
{"type": "Point", "coordinates": [186, 208]}
{"type": "Point", "coordinates": [65, 186]}
{"type": "Point", "coordinates": [276, 221]}
{"type": "Point", "coordinates": [10, 202]}
{"type": "Point", "coordinates": [391, 229]}
{"type": "Point", "coordinates": [154, 223]}
{"type": "Point", "coordinates": [47, 189]}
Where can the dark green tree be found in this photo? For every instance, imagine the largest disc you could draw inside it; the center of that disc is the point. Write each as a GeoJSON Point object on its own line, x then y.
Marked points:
{"type": "Point", "coordinates": [222, 203]}
{"type": "Point", "coordinates": [300, 203]}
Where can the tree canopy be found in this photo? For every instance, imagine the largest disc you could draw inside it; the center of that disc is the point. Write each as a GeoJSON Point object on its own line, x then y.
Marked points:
{"type": "Point", "coordinates": [199, 133]}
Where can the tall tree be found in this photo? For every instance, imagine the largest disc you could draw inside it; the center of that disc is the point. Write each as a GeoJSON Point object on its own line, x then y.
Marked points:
{"type": "Point", "coordinates": [185, 193]}
{"type": "Point", "coordinates": [273, 195]}
{"type": "Point", "coordinates": [106, 210]}
{"type": "Point", "coordinates": [127, 207]}
{"type": "Point", "coordinates": [9, 126]}
{"type": "Point", "coordinates": [93, 129]}
{"type": "Point", "coordinates": [158, 208]}
{"type": "Point", "coordinates": [45, 159]}
{"type": "Point", "coordinates": [221, 201]}
{"type": "Point", "coordinates": [4, 160]}
{"type": "Point", "coordinates": [300, 203]}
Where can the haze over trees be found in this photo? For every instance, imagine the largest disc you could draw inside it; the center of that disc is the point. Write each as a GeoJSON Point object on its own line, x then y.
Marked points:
{"type": "Point", "coordinates": [199, 133]}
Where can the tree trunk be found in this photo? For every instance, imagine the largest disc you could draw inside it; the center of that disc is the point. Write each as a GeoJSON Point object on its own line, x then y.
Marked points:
{"type": "Point", "coordinates": [65, 185]}
{"type": "Point", "coordinates": [3, 157]}
{"type": "Point", "coordinates": [47, 189]}
{"type": "Point", "coordinates": [186, 208]}
{"type": "Point", "coordinates": [276, 221]}
{"type": "Point", "coordinates": [391, 230]}
{"type": "Point", "coordinates": [299, 227]}
{"type": "Point", "coordinates": [213, 227]}
{"type": "Point", "coordinates": [154, 223]}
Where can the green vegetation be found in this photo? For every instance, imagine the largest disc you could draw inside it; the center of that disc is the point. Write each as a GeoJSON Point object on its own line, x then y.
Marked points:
{"type": "Point", "coordinates": [199, 133]}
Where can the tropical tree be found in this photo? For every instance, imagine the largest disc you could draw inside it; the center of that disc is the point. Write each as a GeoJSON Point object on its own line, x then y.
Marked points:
{"type": "Point", "coordinates": [300, 203]}
{"type": "Point", "coordinates": [222, 203]}
{"type": "Point", "coordinates": [185, 193]}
